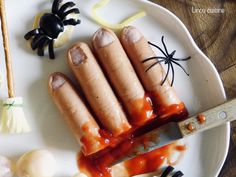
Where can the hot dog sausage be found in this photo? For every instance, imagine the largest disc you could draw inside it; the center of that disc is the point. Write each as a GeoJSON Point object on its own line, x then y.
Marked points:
{"type": "Point", "coordinates": [122, 76]}
{"type": "Point", "coordinates": [74, 111]}
{"type": "Point", "coordinates": [138, 49]}
{"type": "Point", "coordinates": [96, 89]}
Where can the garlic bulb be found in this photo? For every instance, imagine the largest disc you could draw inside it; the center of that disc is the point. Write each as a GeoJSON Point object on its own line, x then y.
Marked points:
{"type": "Point", "coordinates": [37, 163]}
{"type": "Point", "coordinates": [5, 167]}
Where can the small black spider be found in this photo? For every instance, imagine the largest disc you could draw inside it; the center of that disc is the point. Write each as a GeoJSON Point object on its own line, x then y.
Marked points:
{"type": "Point", "coordinates": [168, 170]}
{"type": "Point", "coordinates": [50, 26]}
{"type": "Point", "coordinates": [167, 59]}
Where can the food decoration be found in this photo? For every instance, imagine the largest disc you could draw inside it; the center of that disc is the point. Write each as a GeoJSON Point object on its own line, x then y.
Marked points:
{"type": "Point", "coordinates": [167, 172]}
{"type": "Point", "coordinates": [36, 163]}
{"type": "Point", "coordinates": [191, 126]}
{"type": "Point", "coordinates": [101, 21]}
{"type": "Point", "coordinates": [106, 128]}
{"type": "Point", "coordinates": [201, 118]}
{"type": "Point", "coordinates": [51, 25]}
{"type": "Point", "coordinates": [76, 115]}
{"type": "Point", "coordinates": [6, 167]}
{"type": "Point", "coordinates": [111, 55]}
{"type": "Point", "coordinates": [13, 117]}
{"type": "Point", "coordinates": [141, 164]}
{"type": "Point", "coordinates": [63, 37]}
{"type": "Point", "coordinates": [166, 102]}
{"type": "Point", "coordinates": [168, 59]}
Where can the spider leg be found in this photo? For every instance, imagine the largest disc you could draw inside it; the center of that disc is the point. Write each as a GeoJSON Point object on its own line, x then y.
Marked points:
{"type": "Point", "coordinates": [31, 33]}
{"type": "Point", "coordinates": [178, 174]}
{"type": "Point", "coordinates": [173, 74]}
{"type": "Point", "coordinates": [65, 6]}
{"type": "Point", "coordinates": [158, 48]}
{"type": "Point", "coordinates": [55, 6]}
{"type": "Point", "coordinates": [162, 40]}
{"type": "Point", "coordinates": [181, 67]}
{"type": "Point", "coordinates": [167, 171]}
{"type": "Point", "coordinates": [71, 22]}
{"type": "Point", "coordinates": [40, 50]}
{"type": "Point", "coordinates": [75, 10]}
{"type": "Point", "coordinates": [152, 58]}
{"type": "Point", "coordinates": [36, 41]}
{"type": "Point", "coordinates": [153, 65]}
{"type": "Point", "coordinates": [51, 50]}
{"type": "Point", "coordinates": [167, 73]}
{"type": "Point", "coordinates": [182, 59]}
{"type": "Point", "coordinates": [172, 54]}
{"type": "Point", "coordinates": [41, 47]}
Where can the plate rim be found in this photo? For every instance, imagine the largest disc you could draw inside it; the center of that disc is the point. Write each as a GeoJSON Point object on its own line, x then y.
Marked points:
{"type": "Point", "coordinates": [207, 59]}
{"type": "Point", "coordinates": [227, 132]}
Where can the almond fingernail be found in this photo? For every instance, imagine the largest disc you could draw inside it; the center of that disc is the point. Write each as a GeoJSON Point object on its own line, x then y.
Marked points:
{"type": "Point", "coordinates": [57, 81]}
{"type": "Point", "coordinates": [131, 34]}
{"type": "Point", "coordinates": [103, 38]}
{"type": "Point", "coordinates": [77, 55]}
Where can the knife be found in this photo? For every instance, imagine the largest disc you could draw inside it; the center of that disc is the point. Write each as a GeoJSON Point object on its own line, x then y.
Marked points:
{"type": "Point", "coordinates": [173, 131]}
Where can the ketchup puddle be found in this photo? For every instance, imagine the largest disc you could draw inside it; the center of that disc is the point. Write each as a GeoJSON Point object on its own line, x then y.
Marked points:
{"type": "Point", "coordinates": [98, 164]}
{"type": "Point", "coordinates": [144, 163]}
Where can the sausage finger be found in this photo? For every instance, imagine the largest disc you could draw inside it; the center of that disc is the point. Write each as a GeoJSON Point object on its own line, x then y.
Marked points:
{"type": "Point", "coordinates": [75, 113]}
{"type": "Point", "coordinates": [96, 89]}
{"type": "Point", "coordinates": [138, 49]}
{"type": "Point", "coordinates": [122, 76]}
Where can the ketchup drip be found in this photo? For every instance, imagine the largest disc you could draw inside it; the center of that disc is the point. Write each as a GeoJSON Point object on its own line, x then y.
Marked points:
{"type": "Point", "coordinates": [201, 118]}
{"type": "Point", "coordinates": [143, 111]}
{"type": "Point", "coordinates": [148, 162]}
{"type": "Point", "coordinates": [88, 140]}
{"type": "Point", "coordinates": [106, 140]}
{"type": "Point", "coordinates": [174, 112]}
{"type": "Point", "coordinates": [92, 168]}
{"type": "Point", "coordinates": [145, 163]}
{"type": "Point", "coordinates": [142, 121]}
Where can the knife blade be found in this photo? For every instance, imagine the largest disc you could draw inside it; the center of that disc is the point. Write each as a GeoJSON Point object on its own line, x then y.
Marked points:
{"type": "Point", "coordinates": [174, 131]}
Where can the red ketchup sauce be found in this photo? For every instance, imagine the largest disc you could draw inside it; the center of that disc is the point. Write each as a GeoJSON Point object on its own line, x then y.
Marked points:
{"type": "Point", "coordinates": [144, 163]}
{"type": "Point", "coordinates": [144, 114]}
{"type": "Point", "coordinates": [98, 164]}
{"type": "Point", "coordinates": [191, 127]}
{"type": "Point", "coordinates": [201, 118]}
{"type": "Point", "coordinates": [151, 161]}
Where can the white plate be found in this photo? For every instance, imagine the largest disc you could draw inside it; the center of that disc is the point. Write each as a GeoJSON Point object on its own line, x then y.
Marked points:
{"type": "Point", "coordinates": [203, 89]}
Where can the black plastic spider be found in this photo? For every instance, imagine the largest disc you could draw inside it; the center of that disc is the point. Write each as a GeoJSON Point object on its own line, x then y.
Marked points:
{"type": "Point", "coordinates": [167, 59]}
{"type": "Point", "coordinates": [168, 170]}
{"type": "Point", "coordinates": [50, 26]}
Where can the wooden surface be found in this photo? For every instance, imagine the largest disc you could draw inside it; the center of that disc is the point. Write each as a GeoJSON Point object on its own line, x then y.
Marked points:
{"type": "Point", "coordinates": [215, 34]}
